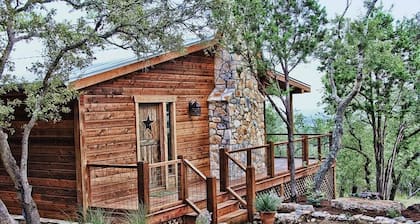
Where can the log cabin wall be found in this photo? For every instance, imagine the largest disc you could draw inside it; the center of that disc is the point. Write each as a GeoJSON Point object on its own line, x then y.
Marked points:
{"type": "Point", "coordinates": [108, 117]}
{"type": "Point", "coordinates": [51, 167]}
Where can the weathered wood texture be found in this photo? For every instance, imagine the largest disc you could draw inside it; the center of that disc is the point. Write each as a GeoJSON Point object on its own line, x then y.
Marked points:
{"type": "Point", "coordinates": [51, 167]}
{"type": "Point", "coordinates": [108, 117]}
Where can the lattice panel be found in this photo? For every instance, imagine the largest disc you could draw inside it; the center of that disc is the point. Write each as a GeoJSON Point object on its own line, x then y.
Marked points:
{"type": "Point", "coordinates": [327, 186]}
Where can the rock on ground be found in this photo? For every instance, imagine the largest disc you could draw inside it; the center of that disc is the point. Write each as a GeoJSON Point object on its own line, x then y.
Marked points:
{"type": "Point", "coordinates": [365, 205]}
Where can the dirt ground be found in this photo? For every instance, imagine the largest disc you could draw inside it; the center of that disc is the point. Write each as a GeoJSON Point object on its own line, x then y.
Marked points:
{"type": "Point", "coordinates": [411, 214]}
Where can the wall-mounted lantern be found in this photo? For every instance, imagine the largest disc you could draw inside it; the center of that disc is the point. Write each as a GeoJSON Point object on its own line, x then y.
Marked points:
{"type": "Point", "coordinates": [194, 108]}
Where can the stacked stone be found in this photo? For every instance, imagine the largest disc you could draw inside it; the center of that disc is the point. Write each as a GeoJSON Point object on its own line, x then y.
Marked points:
{"type": "Point", "coordinates": [236, 113]}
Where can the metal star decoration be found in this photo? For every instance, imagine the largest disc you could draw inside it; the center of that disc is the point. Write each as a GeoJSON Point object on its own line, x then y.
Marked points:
{"type": "Point", "coordinates": [148, 123]}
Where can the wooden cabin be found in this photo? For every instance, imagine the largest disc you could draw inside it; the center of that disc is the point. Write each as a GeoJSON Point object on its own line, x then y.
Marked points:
{"type": "Point", "coordinates": [170, 131]}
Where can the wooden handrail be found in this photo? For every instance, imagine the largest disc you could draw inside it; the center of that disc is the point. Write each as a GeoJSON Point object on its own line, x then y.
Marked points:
{"type": "Point", "coordinates": [236, 196]}
{"type": "Point", "coordinates": [193, 168]}
{"type": "Point", "coordinates": [193, 206]}
{"type": "Point", "coordinates": [249, 148]}
{"type": "Point", "coordinates": [299, 134]}
{"type": "Point", "coordinates": [164, 163]}
{"type": "Point", "coordinates": [236, 162]}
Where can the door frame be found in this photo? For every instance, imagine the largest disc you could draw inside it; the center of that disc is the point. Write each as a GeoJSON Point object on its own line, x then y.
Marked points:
{"type": "Point", "coordinates": [162, 100]}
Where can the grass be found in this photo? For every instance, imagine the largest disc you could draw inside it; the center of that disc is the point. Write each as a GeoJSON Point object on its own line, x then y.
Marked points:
{"type": "Point", "coordinates": [138, 216]}
{"type": "Point", "coordinates": [407, 201]}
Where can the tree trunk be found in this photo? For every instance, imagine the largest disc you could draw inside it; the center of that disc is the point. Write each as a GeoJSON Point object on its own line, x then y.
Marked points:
{"type": "Point", "coordinates": [290, 135]}
{"type": "Point", "coordinates": [28, 204]}
{"type": "Point", "coordinates": [5, 217]}
{"type": "Point", "coordinates": [21, 184]}
{"type": "Point", "coordinates": [335, 148]}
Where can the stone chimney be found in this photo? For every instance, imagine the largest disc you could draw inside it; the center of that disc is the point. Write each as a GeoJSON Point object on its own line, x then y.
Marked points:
{"type": "Point", "coordinates": [236, 111]}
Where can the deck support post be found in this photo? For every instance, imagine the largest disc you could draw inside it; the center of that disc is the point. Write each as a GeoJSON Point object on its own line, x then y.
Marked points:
{"type": "Point", "coordinates": [224, 169]}
{"type": "Point", "coordinates": [212, 198]}
{"type": "Point", "coordinates": [282, 190]}
{"type": "Point", "coordinates": [305, 151]}
{"type": "Point", "coordinates": [270, 160]}
{"type": "Point", "coordinates": [143, 184]}
{"type": "Point", "coordinates": [250, 192]}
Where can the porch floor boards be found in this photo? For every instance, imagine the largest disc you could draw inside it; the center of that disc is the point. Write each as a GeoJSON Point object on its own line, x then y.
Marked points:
{"type": "Point", "coordinates": [196, 191]}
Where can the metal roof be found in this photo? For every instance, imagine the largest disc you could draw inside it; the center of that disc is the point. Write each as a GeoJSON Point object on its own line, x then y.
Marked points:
{"type": "Point", "coordinates": [103, 66]}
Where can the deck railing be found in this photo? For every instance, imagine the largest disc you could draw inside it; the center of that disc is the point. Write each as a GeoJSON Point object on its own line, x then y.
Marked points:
{"type": "Point", "coordinates": [168, 184]}
{"type": "Point", "coordinates": [112, 185]}
{"type": "Point", "coordinates": [157, 186]}
{"type": "Point", "coordinates": [192, 190]}
{"type": "Point", "coordinates": [238, 167]}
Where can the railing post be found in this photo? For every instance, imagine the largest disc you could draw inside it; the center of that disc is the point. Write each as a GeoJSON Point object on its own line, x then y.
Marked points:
{"type": "Point", "coordinates": [183, 180]}
{"type": "Point", "coordinates": [248, 157]}
{"type": "Point", "coordinates": [143, 184]}
{"type": "Point", "coordinates": [330, 141]}
{"type": "Point", "coordinates": [319, 142]}
{"type": "Point", "coordinates": [250, 192]}
{"type": "Point", "coordinates": [223, 169]}
{"type": "Point", "coordinates": [289, 156]}
{"type": "Point", "coordinates": [212, 198]}
{"type": "Point", "coordinates": [305, 151]}
{"type": "Point", "coordinates": [270, 160]}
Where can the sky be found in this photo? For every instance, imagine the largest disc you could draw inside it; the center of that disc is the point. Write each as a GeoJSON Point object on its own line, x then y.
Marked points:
{"type": "Point", "coordinates": [308, 103]}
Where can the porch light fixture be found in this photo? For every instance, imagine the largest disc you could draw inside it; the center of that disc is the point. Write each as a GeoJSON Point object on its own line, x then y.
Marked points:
{"type": "Point", "coordinates": [194, 108]}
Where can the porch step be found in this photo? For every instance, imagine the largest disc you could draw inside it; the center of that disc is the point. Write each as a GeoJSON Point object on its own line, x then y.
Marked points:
{"type": "Point", "coordinates": [227, 208]}
{"type": "Point", "coordinates": [238, 216]}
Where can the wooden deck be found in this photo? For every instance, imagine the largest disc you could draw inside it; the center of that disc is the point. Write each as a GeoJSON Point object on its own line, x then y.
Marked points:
{"type": "Point", "coordinates": [196, 191]}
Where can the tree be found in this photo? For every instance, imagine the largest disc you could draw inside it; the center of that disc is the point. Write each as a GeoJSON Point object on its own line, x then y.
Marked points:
{"type": "Point", "coordinates": [345, 38]}
{"type": "Point", "coordinates": [69, 44]}
{"type": "Point", "coordinates": [273, 36]}
{"type": "Point", "coordinates": [388, 101]}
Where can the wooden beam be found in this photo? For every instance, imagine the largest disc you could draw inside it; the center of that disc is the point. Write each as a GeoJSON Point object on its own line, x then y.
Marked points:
{"type": "Point", "coordinates": [76, 132]}
{"type": "Point", "coordinates": [84, 175]}
{"type": "Point", "coordinates": [126, 69]}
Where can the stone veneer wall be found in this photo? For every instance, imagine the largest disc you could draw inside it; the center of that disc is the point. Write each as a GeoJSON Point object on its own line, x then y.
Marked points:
{"type": "Point", "coordinates": [236, 112]}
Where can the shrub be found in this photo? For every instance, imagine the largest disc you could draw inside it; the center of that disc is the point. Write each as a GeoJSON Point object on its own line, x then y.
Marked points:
{"type": "Point", "coordinates": [315, 197]}
{"type": "Point", "coordinates": [267, 202]}
{"type": "Point", "coordinates": [204, 217]}
{"type": "Point", "coordinates": [393, 213]}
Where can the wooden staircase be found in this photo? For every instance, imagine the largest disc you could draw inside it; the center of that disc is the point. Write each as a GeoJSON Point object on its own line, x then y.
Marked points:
{"type": "Point", "coordinates": [228, 211]}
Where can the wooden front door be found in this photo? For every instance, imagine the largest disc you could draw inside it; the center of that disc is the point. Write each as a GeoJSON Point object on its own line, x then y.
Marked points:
{"type": "Point", "coordinates": [156, 142]}
{"type": "Point", "coordinates": [149, 121]}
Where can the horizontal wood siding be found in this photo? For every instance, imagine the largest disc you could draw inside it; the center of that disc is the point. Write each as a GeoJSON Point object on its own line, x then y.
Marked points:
{"type": "Point", "coordinates": [107, 112]}
{"type": "Point", "coordinates": [51, 167]}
